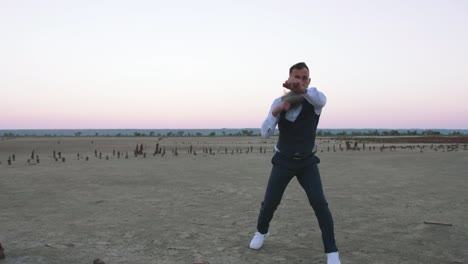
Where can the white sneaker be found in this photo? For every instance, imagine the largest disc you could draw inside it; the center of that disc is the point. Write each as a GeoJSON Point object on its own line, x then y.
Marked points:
{"type": "Point", "coordinates": [257, 240]}
{"type": "Point", "coordinates": [333, 258]}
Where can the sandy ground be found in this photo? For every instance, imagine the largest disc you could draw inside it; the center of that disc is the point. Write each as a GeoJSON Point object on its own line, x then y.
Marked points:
{"type": "Point", "coordinates": [194, 208]}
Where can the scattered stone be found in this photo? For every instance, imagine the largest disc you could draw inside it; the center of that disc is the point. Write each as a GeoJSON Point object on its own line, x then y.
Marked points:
{"type": "Point", "coordinates": [2, 254]}
{"type": "Point", "coordinates": [59, 246]}
{"type": "Point", "coordinates": [437, 223]}
{"type": "Point", "coordinates": [98, 261]}
{"type": "Point", "coordinates": [199, 259]}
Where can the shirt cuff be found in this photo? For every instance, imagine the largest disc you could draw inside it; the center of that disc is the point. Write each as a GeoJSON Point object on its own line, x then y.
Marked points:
{"type": "Point", "coordinates": [269, 125]}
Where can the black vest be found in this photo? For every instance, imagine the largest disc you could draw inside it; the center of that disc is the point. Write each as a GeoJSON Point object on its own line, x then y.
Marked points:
{"type": "Point", "coordinates": [298, 136]}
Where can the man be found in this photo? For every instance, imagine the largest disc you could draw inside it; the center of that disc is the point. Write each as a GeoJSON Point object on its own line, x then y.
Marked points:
{"type": "Point", "coordinates": [297, 115]}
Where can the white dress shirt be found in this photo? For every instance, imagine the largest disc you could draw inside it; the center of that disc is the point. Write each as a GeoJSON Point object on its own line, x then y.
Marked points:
{"type": "Point", "coordinates": [313, 96]}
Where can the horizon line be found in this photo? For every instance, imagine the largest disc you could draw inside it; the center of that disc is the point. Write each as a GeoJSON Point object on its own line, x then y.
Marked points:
{"type": "Point", "coordinates": [365, 128]}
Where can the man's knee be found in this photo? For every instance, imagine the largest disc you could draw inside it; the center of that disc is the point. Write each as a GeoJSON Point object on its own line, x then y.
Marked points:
{"type": "Point", "coordinates": [319, 205]}
{"type": "Point", "coordinates": [270, 206]}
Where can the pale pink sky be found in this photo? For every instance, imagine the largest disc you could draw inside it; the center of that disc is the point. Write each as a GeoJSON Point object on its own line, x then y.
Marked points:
{"type": "Point", "coordinates": [207, 64]}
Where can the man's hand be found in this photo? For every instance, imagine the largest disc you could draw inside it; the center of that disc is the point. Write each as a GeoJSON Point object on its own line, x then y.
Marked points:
{"type": "Point", "coordinates": [283, 106]}
{"type": "Point", "coordinates": [295, 85]}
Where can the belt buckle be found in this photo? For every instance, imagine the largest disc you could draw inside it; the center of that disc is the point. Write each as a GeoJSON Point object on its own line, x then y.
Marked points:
{"type": "Point", "coordinates": [297, 156]}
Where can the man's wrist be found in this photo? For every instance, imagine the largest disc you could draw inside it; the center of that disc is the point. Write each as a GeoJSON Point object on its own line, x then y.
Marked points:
{"type": "Point", "coordinates": [274, 113]}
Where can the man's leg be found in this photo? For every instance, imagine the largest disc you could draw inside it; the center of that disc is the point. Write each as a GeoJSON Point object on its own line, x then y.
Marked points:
{"type": "Point", "coordinates": [309, 178]}
{"type": "Point", "coordinates": [279, 179]}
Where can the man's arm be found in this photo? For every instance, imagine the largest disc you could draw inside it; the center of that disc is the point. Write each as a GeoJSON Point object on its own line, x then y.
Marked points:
{"type": "Point", "coordinates": [312, 95]}
{"type": "Point", "coordinates": [269, 125]}
{"type": "Point", "coordinates": [315, 98]}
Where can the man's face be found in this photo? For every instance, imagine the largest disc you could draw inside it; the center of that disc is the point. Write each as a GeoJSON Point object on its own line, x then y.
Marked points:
{"type": "Point", "coordinates": [302, 75]}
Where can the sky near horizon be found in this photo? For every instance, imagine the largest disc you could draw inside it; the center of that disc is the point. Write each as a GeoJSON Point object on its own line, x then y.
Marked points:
{"type": "Point", "coordinates": [220, 64]}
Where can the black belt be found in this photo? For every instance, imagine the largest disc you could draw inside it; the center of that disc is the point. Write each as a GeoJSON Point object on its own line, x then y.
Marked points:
{"type": "Point", "coordinates": [296, 156]}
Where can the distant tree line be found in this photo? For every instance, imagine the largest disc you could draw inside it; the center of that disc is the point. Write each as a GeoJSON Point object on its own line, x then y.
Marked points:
{"type": "Point", "coordinates": [247, 132]}
{"type": "Point", "coordinates": [376, 132]}
{"type": "Point", "coordinates": [182, 133]}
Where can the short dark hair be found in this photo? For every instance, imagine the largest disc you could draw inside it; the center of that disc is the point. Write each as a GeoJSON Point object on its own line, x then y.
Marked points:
{"type": "Point", "coordinates": [298, 66]}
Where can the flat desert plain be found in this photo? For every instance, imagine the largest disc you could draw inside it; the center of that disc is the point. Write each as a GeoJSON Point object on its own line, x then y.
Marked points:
{"type": "Point", "coordinates": [404, 203]}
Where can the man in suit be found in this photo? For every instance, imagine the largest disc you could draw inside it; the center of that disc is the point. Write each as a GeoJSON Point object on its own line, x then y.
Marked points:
{"type": "Point", "coordinates": [297, 115]}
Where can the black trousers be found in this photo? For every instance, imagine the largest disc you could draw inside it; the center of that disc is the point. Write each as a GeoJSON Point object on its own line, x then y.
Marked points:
{"type": "Point", "coordinates": [307, 173]}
